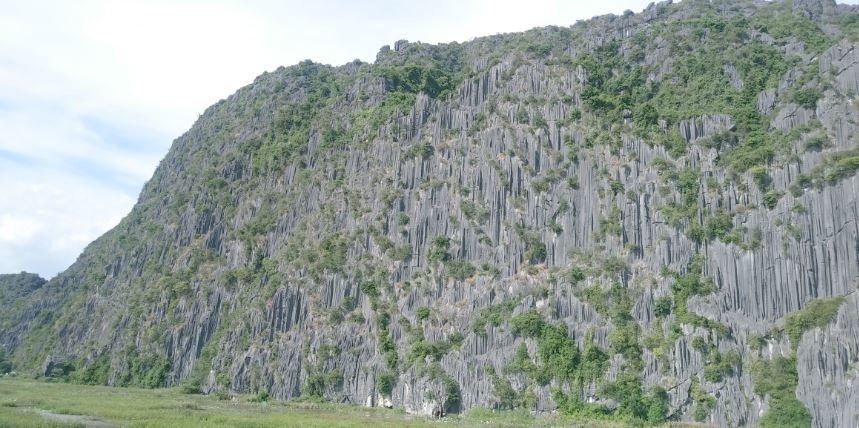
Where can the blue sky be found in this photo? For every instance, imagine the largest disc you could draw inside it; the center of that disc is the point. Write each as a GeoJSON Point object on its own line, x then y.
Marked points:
{"type": "Point", "coordinates": [92, 93]}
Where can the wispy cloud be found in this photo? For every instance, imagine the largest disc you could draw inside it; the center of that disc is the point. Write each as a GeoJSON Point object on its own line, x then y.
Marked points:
{"type": "Point", "coordinates": [48, 216]}
{"type": "Point", "coordinates": [93, 92]}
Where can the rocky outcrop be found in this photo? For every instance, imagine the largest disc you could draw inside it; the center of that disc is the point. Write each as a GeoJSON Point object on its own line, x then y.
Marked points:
{"type": "Point", "coordinates": [841, 62]}
{"type": "Point", "coordinates": [828, 370]}
{"type": "Point", "coordinates": [693, 129]}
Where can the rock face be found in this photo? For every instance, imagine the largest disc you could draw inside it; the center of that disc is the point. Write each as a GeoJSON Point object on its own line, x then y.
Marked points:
{"type": "Point", "coordinates": [538, 219]}
{"type": "Point", "coordinates": [827, 368]}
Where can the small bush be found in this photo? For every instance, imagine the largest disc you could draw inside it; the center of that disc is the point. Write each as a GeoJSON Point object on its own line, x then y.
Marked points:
{"type": "Point", "coordinates": [316, 384]}
{"type": "Point", "coordinates": [699, 344]}
{"type": "Point", "coordinates": [493, 315]}
{"type": "Point", "coordinates": [718, 225]}
{"type": "Point", "coordinates": [771, 198]}
{"type": "Point", "coordinates": [614, 265]}
{"type": "Point", "coordinates": [261, 397]}
{"type": "Point", "coordinates": [760, 175]}
{"type": "Point", "coordinates": [455, 339]}
{"type": "Point", "coordinates": [438, 249]}
{"type": "Point", "coordinates": [576, 275]}
{"type": "Point", "coordinates": [645, 115]}
{"type": "Point", "coordinates": [460, 269]}
{"type": "Point", "coordinates": [843, 168]}
{"type": "Point", "coordinates": [720, 365]}
{"type": "Point", "coordinates": [815, 143]}
{"type": "Point", "coordinates": [703, 402]}
{"type": "Point", "coordinates": [402, 219]}
{"type": "Point", "coordinates": [190, 388]}
{"type": "Point", "coordinates": [529, 324]}
{"type": "Point", "coordinates": [778, 379]}
{"type": "Point", "coordinates": [656, 403]}
{"type": "Point", "coordinates": [370, 289]}
{"type": "Point", "coordinates": [5, 364]}
{"type": "Point", "coordinates": [385, 383]}
{"type": "Point", "coordinates": [807, 97]}
{"type": "Point", "coordinates": [662, 306]}
{"type": "Point", "coordinates": [422, 313]}
{"type": "Point", "coordinates": [817, 313]}
{"type": "Point", "coordinates": [423, 151]}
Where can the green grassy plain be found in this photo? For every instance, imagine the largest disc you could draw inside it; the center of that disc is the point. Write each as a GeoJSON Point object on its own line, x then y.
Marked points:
{"type": "Point", "coordinates": [22, 400]}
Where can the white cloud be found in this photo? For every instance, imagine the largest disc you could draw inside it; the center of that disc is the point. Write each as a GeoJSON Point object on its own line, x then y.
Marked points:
{"type": "Point", "coordinates": [48, 216]}
{"type": "Point", "coordinates": [92, 92]}
{"type": "Point", "coordinates": [15, 230]}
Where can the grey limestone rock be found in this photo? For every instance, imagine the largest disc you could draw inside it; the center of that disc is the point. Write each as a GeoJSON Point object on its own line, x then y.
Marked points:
{"type": "Point", "coordinates": [829, 369]}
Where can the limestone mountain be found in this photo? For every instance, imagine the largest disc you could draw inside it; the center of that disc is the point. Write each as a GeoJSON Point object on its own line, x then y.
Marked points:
{"type": "Point", "coordinates": [642, 218]}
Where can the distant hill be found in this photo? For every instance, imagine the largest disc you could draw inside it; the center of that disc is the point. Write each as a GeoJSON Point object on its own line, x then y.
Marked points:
{"type": "Point", "coordinates": [17, 287]}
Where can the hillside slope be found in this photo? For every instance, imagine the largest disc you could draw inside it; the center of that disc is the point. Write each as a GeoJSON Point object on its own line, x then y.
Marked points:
{"type": "Point", "coordinates": [638, 217]}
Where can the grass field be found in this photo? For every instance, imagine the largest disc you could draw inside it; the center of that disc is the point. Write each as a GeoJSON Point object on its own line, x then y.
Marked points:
{"type": "Point", "coordinates": [24, 402]}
